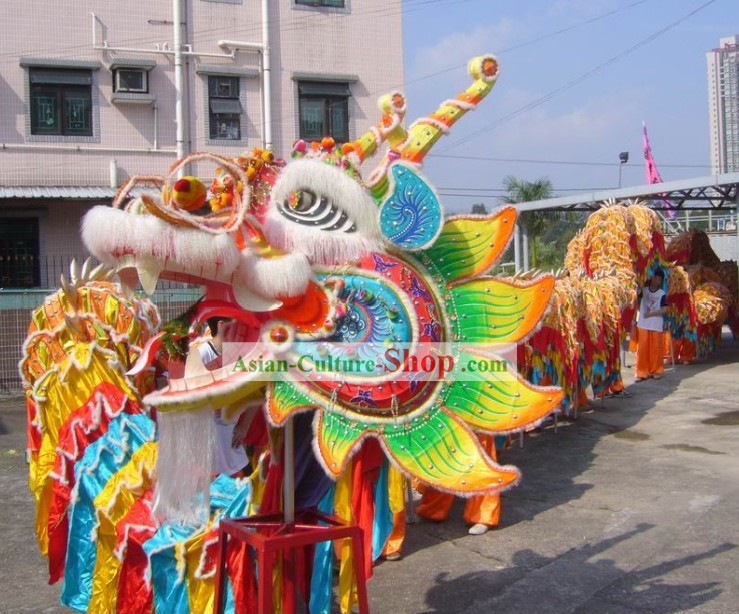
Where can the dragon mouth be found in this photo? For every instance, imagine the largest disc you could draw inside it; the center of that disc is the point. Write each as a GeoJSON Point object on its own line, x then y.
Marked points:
{"type": "Point", "coordinates": [144, 249]}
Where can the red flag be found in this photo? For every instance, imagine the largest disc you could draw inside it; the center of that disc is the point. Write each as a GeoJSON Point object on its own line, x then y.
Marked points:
{"type": "Point", "coordinates": [652, 172]}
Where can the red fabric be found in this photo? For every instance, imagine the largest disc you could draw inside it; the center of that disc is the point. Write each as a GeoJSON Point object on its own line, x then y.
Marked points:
{"type": "Point", "coordinates": [242, 578]}
{"type": "Point", "coordinates": [257, 433]}
{"type": "Point", "coordinates": [83, 426]}
{"type": "Point", "coordinates": [272, 497]}
{"type": "Point", "coordinates": [366, 469]}
{"type": "Point", "coordinates": [33, 435]}
{"type": "Point", "coordinates": [272, 503]}
{"type": "Point", "coordinates": [135, 594]}
{"type": "Point", "coordinates": [586, 262]}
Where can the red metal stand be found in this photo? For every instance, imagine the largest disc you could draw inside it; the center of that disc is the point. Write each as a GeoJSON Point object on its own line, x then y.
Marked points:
{"type": "Point", "coordinates": [269, 534]}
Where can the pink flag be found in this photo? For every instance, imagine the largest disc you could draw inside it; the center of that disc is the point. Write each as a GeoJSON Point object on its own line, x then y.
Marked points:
{"type": "Point", "coordinates": [652, 172]}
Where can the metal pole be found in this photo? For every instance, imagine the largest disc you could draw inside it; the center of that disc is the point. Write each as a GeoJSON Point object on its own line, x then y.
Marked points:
{"type": "Point", "coordinates": [288, 484]}
{"type": "Point", "coordinates": [266, 77]}
{"type": "Point", "coordinates": [179, 81]}
{"type": "Point", "coordinates": [525, 245]}
{"type": "Point", "coordinates": [620, 172]}
{"type": "Point", "coordinates": [517, 248]}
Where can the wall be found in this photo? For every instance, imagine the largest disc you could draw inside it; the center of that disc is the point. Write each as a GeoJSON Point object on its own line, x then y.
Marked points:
{"type": "Point", "coordinates": [363, 40]}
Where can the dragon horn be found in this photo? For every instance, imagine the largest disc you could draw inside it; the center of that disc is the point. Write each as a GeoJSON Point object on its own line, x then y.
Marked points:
{"type": "Point", "coordinates": [424, 133]}
{"type": "Point", "coordinates": [389, 128]}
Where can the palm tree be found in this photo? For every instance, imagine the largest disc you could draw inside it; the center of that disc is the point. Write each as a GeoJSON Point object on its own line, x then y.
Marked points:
{"type": "Point", "coordinates": [535, 222]}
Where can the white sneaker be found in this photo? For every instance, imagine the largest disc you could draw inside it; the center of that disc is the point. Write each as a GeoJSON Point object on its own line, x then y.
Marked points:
{"type": "Point", "coordinates": [479, 529]}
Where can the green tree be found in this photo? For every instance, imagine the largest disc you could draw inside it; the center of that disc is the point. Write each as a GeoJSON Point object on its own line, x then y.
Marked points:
{"type": "Point", "coordinates": [479, 209]}
{"type": "Point", "coordinates": [549, 231]}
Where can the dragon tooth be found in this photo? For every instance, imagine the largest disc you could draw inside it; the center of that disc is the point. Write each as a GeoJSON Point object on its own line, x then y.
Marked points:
{"type": "Point", "coordinates": [148, 271]}
{"type": "Point", "coordinates": [128, 278]}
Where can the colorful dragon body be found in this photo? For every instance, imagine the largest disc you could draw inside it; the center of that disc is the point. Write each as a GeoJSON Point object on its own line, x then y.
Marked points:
{"type": "Point", "coordinates": [594, 305]}
{"type": "Point", "coordinates": [297, 253]}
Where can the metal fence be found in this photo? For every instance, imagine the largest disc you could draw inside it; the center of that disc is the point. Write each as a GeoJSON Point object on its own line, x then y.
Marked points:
{"type": "Point", "coordinates": [16, 307]}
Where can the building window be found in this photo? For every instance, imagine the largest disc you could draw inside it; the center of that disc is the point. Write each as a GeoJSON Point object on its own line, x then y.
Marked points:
{"type": "Point", "coordinates": [61, 101]}
{"type": "Point", "coordinates": [331, 3]}
{"type": "Point", "coordinates": [131, 80]}
{"type": "Point", "coordinates": [19, 253]}
{"type": "Point", "coordinates": [324, 110]}
{"type": "Point", "coordinates": [224, 108]}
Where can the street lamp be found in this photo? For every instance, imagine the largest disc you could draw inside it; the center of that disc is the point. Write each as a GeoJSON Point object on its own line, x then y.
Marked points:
{"type": "Point", "coordinates": [623, 158]}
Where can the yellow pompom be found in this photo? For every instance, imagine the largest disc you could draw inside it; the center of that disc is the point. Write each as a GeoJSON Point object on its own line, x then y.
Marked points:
{"type": "Point", "coordinates": [189, 193]}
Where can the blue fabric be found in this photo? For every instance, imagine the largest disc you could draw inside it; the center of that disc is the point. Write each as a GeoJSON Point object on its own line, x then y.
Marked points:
{"type": "Point", "coordinates": [228, 496]}
{"type": "Point", "coordinates": [169, 585]}
{"type": "Point", "coordinates": [100, 462]}
{"type": "Point", "coordinates": [382, 523]}
{"type": "Point", "coordinates": [323, 557]}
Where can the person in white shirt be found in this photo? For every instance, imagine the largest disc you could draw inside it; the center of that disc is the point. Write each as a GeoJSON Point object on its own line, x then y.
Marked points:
{"type": "Point", "coordinates": [650, 344]}
{"type": "Point", "coordinates": [229, 456]}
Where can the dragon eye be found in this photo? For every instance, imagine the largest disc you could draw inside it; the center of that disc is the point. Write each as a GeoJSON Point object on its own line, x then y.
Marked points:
{"type": "Point", "coordinates": [301, 200]}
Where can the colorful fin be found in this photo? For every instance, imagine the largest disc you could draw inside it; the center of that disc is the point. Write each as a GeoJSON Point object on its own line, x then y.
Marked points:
{"type": "Point", "coordinates": [499, 402]}
{"type": "Point", "coordinates": [490, 310]}
{"type": "Point", "coordinates": [284, 400]}
{"type": "Point", "coordinates": [440, 450]}
{"type": "Point", "coordinates": [469, 245]}
{"type": "Point", "coordinates": [337, 437]}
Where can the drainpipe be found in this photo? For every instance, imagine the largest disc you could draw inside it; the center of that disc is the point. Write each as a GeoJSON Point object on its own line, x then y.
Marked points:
{"type": "Point", "coordinates": [267, 77]}
{"type": "Point", "coordinates": [263, 49]}
{"type": "Point", "coordinates": [156, 126]}
{"type": "Point", "coordinates": [178, 79]}
{"type": "Point", "coordinates": [113, 173]}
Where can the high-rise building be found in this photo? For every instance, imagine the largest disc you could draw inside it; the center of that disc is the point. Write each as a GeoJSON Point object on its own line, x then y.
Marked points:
{"type": "Point", "coordinates": [723, 104]}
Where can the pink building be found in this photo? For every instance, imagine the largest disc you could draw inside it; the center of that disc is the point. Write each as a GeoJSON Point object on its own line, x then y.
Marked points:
{"type": "Point", "coordinates": [89, 96]}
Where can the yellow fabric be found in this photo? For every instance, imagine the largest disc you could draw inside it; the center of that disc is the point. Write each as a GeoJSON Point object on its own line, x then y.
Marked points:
{"type": "Point", "coordinates": [111, 505]}
{"type": "Point", "coordinates": [396, 485]}
{"type": "Point", "coordinates": [200, 589]}
{"type": "Point", "coordinates": [60, 399]}
{"type": "Point", "coordinates": [343, 509]}
{"type": "Point", "coordinates": [257, 489]}
{"type": "Point", "coordinates": [277, 585]}
{"type": "Point", "coordinates": [396, 490]}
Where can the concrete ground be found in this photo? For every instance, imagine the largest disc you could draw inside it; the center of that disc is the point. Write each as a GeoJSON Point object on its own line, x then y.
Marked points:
{"type": "Point", "coordinates": [631, 508]}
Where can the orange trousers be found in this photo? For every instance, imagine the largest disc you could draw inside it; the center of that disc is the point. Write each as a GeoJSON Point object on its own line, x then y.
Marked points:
{"type": "Point", "coordinates": [650, 354]}
{"type": "Point", "coordinates": [482, 509]}
{"type": "Point", "coordinates": [395, 541]}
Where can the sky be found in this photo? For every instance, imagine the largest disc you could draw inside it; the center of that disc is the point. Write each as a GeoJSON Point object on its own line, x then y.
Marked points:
{"type": "Point", "coordinates": [577, 79]}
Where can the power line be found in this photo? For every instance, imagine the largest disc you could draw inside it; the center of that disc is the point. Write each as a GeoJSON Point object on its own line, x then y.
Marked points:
{"type": "Point", "coordinates": [535, 40]}
{"type": "Point", "coordinates": [559, 162]}
{"type": "Point", "coordinates": [576, 81]}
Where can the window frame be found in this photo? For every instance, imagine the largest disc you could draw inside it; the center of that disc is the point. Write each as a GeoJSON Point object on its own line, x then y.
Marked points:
{"type": "Point", "coordinates": [33, 248]}
{"type": "Point", "coordinates": [214, 116]}
{"type": "Point", "coordinates": [329, 100]}
{"type": "Point", "coordinates": [116, 80]}
{"type": "Point", "coordinates": [321, 4]}
{"type": "Point", "coordinates": [62, 92]}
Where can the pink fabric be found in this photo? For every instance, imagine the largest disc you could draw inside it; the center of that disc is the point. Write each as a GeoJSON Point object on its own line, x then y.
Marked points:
{"type": "Point", "coordinates": [652, 172]}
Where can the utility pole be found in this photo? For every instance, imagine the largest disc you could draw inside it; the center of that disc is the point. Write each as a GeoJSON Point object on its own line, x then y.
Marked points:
{"type": "Point", "coordinates": [179, 79]}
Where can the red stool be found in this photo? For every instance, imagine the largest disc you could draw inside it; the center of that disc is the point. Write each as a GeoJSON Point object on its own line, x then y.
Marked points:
{"type": "Point", "coordinates": [268, 534]}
